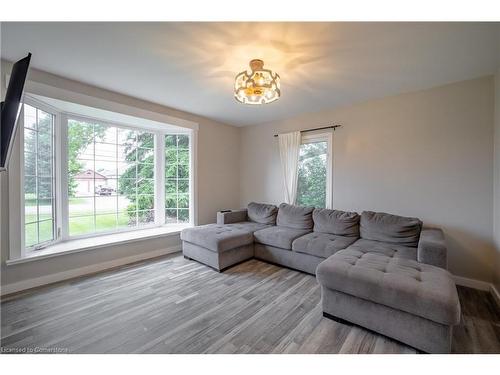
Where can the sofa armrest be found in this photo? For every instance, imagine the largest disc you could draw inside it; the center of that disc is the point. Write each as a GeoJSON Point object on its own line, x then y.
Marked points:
{"type": "Point", "coordinates": [230, 217]}
{"type": "Point", "coordinates": [432, 248]}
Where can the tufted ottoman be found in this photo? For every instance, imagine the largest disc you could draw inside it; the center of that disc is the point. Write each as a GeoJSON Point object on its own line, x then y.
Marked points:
{"type": "Point", "coordinates": [409, 301]}
{"type": "Point", "coordinates": [218, 246]}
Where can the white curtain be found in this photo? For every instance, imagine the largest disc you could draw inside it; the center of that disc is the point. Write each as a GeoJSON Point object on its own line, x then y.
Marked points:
{"type": "Point", "coordinates": [289, 145]}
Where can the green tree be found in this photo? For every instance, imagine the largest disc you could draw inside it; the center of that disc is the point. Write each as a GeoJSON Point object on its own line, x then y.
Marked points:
{"type": "Point", "coordinates": [137, 182]}
{"type": "Point", "coordinates": [38, 160]}
{"type": "Point", "coordinates": [30, 156]}
{"type": "Point", "coordinates": [38, 176]}
{"type": "Point", "coordinates": [311, 186]}
{"type": "Point", "coordinates": [177, 178]}
{"type": "Point", "coordinates": [80, 136]}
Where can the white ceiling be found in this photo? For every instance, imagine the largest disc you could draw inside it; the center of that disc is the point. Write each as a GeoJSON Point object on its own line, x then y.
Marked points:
{"type": "Point", "coordinates": [191, 66]}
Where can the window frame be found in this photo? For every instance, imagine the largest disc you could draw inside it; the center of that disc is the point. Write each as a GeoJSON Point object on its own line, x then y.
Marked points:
{"type": "Point", "coordinates": [61, 206]}
{"type": "Point", "coordinates": [157, 134]}
{"type": "Point", "coordinates": [177, 179]}
{"type": "Point", "coordinates": [328, 138]}
{"type": "Point", "coordinates": [56, 171]}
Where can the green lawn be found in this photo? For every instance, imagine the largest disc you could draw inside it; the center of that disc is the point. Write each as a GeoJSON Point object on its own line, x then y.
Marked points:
{"type": "Point", "coordinates": [77, 226]}
{"type": "Point", "coordinates": [85, 224]}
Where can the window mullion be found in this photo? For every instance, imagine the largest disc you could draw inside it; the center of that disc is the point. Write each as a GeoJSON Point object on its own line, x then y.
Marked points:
{"type": "Point", "coordinates": [16, 252]}
{"type": "Point", "coordinates": [177, 178]}
{"type": "Point", "coordinates": [62, 170]}
{"type": "Point", "coordinates": [37, 179]}
{"type": "Point", "coordinates": [93, 178]}
{"type": "Point", "coordinates": [329, 172]}
{"type": "Point", "coordinates": [159, 179]}
{"type": "Point", "coordinates": [193, 145]}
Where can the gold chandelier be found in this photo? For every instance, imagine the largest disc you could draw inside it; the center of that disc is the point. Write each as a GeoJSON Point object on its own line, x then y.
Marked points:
{"type": "Point", "coordinates": [260, 86]}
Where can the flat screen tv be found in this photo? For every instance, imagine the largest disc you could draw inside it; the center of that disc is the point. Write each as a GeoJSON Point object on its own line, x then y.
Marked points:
{"type": "Point", "coordinates": [10, 109]}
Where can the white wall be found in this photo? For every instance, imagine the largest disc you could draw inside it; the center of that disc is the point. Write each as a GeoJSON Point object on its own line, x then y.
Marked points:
{"type": "Point", "coordinates": [427, 154]}
{"type": "Point", "coordinates": [217, 179]}
{"type": "Point", "coordinates": [496, 220]}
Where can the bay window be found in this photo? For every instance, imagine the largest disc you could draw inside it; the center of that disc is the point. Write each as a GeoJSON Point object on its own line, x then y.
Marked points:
{"type": "Point", "coordinates": [81, 176]}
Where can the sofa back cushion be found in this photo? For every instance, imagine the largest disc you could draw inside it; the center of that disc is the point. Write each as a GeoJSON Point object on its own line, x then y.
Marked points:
{"type": "Point", "coordinates": [297, 217]}
{"type": "Point", "coordinates": [379, 226]}
{"type": "Point", "coordinates": [262, 213]}
{"type": "Point", "coordinates": [336, 222]}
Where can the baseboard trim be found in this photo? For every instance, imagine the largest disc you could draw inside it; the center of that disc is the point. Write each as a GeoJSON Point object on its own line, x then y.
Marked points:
{"type": "Point", "coordinates": [77, 272]}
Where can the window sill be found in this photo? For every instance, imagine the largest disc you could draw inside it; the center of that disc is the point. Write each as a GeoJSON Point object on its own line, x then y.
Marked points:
{"type": "Point", "coordinates": [92, 243]}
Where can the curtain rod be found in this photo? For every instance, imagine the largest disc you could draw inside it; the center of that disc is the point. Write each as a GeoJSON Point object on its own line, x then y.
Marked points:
{"type": "Point", "coordinates": [324, 127]}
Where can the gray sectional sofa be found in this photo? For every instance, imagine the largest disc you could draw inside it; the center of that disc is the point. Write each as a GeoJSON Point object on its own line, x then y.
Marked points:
{"type": "Point", "coordinates": [370, 266]}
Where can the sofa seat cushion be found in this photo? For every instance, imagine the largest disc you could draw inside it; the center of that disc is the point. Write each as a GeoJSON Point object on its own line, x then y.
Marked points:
{"type": "Point", "coordinates": [248, 226]}
{"type": "Point", "coordinates": [217, 237]}
{"type": "Point", "coordinates": [379, 226]}
{"type": "Point", "coordinates": [281, 237]}
{"type": "Point", "coordinates": [321, 244]}
{"type": "Point", "coordinates": [389, 249]}
{"type": "Point", "coordinates": [396, 282]}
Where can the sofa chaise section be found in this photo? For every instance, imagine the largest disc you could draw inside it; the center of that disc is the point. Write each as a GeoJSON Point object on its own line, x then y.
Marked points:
{"type": "Point", "coordinates": [217, 246]}
{"type": "Point", "coordinates": [379, 276]}
{"type": "Point", "coordinates": [411, 302]}
{"type": "Point", "coordinates": [231, 240]}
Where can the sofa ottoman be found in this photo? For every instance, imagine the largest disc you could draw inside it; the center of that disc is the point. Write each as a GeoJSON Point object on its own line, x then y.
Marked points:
{"type": "Point", "coordinates": [231, 240]}
{"type": "Point", "coordinates": [412, 302]}
{"type": "Point", "coordinates": [217, 246]}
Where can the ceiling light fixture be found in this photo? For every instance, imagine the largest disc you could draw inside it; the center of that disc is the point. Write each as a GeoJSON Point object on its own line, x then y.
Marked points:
{"type": "Point", "coordinates": [259, 86]}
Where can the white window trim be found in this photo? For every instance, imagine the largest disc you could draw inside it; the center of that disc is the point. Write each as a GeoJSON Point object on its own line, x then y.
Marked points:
{"type": "Point", "coordinates": [158, 173]}
{"type": "Point", "coordinates": [15, 201]}
{"type": "Point", "coordinates": [322, 137]}
{"type": "Point", "coordinates": [17, 248]}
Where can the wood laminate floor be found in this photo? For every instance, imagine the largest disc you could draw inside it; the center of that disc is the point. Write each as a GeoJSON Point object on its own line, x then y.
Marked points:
{"type": "Point", "coordinates": [172, 305]}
